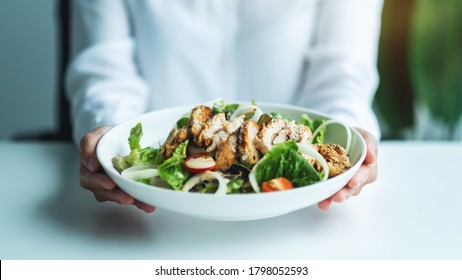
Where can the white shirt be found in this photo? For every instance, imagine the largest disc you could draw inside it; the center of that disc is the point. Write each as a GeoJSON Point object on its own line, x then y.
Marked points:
{"type": "Point", "coordinates": [133, 56]}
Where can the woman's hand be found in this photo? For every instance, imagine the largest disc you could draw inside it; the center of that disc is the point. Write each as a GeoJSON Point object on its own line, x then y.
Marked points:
{"type": "Point", "coordinates": [366, 174]}
{"type": "Point", "coordinates": [95, 180]}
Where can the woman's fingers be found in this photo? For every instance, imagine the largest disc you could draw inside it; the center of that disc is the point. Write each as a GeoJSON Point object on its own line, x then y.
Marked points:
{"type": "Point", "coordinates": [91, 177]}
{"type": "Point", "coordinates": [116, 195]}
{"type": "Point", "coordinates": [371, 145]}
{"type": "Point", "coordinates": [88, 145]}
{"type": "Point", "coordinates": [119, 196]}
{"type": "Point", "coordinates": [366, 174]}
{"type": "Point", "coordinates": [325, 204]}
{"type": "Point", "coordinates": [353, 187]}
{"type": "Point", "coordinates": [95, 181]}
{"type": "Point", "coordinates": [143, 206]}
{"type": "Point", "coordinates": [342, 195]}
{"type": "Point", "coordinates": [103, 187]}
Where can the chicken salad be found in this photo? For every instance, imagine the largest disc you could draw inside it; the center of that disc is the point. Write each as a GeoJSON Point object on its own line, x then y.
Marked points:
{"type": "Point", "coordinates": [224, 148]}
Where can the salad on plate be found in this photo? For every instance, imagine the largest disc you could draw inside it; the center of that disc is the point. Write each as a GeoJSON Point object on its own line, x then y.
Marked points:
{"type": "Point", "coordinates": [224, 149]}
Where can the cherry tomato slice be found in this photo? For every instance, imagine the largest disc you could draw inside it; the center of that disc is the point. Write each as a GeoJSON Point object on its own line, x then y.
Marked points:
{"type": "Point", "coordinates": [199, 163]}
{"type": "Point", "coordinates": [277, 184]}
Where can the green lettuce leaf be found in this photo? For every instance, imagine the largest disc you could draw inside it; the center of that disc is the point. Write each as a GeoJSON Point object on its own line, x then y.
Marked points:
{"type": "Point", "coordinates": [120, 163]}
{"type": "Point", "coordinates": [135, 136]}
{"type": "Point", "coordinates": [283, 160]}
{"type": "Point", "coordinates": [182, 122]}
{"type": "Point", "coordinates": [150, 156]}
{"type": "Point", "coordinates": [313, 125]}
{"type": "Point", "coordinates": [276, 115]}
{"type": "Point", "coordinates": [138, 155]}
{"type": "Point", "coordinates": [222, 107]}
{"type": "Point", "coordinates": [209, 188]}
{"type": "Point", "coordinates": [172, 170]}
{"type": "Point", "coordinates": [234, 186]}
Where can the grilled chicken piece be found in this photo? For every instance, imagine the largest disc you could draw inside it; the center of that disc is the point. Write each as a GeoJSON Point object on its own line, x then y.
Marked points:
{"type": "Point", "coordinates": [335, 156]}
{"type": "Point", "coordinates": [268, 132]}
{"type": "Point", "coordinates": [198, 120]}
{"type": "Point", "coordinates": [303, 134]}
{"type": "Point", "coordinates": [228, 129]}
{"type": "Point", "coordinates": [226, 153]}
{"type": "Point", "coordinates": [175, 138]}
{"type": "Point", "coordinates": [248, 153]}
{"type": "Point", "coordinates": [212, 126]}
{"type": "Point", "coordinates": [233, 125]}
{"type": "Point", "coordinates": [289, 132]}
{"type": "Point", "coordinates": [214, 133]}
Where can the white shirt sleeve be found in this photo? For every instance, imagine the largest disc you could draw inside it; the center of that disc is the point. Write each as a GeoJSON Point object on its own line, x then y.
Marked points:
{"type": "Point", "coordinates": [103, 84]}
{"type": "Point", "coordinates": [342, 62]}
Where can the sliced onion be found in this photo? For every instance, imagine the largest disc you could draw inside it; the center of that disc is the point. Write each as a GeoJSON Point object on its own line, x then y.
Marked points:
{"type": "Point", "coordinates": [253, 181]}
{"type": "Point", "coordinates": [138, 172]}
{"type": "Point", "coordinates": [207, 175]}
{"type": "Point", "coordinates": [213, 102]}
{"type": "Point", "coordinates": [317, 156]}
{"type": "Point", "coordinates": [329, 122]}
{"type": "Point", "coordinates": [257, 112]}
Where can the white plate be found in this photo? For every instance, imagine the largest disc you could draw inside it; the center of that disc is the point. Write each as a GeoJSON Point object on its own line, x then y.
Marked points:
{"type": "Point", "coordinates": [157, 125]}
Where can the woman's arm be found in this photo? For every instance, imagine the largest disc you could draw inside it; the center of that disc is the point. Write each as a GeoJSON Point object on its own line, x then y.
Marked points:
{"type": "Point", "coordinates": [103, 86]}
{"type": "Point", "coordinates": [103, 81]}
{"type": "Point", "coordinates": [342, 77]}
{"type": "Point", "coordinates": [342, 70]}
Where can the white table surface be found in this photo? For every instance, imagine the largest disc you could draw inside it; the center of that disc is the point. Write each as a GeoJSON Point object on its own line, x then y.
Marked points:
{"type": "Point", "coordinates": [413, 211]}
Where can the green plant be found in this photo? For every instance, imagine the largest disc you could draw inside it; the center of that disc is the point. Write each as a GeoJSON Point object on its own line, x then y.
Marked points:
{"type": "Point", "coordinates": [436, 60]}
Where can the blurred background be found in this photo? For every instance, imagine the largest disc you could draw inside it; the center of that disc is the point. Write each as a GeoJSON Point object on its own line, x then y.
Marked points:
{"type": "Point", "coordinates": [420, 63]}
{"type": "Point", "coordinates": [28, 66]}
